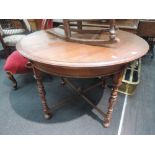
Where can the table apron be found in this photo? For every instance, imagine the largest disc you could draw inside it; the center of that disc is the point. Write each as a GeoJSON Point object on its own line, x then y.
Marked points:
{"type": "Point", "coordinates": [82, 72]}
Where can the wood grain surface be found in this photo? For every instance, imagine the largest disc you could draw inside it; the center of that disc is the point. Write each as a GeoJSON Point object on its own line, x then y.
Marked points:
{"type": "Point", "coordinates": [44, 48]}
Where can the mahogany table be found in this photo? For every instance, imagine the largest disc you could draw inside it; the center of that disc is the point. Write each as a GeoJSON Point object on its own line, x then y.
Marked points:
{"type": "Point", "coordinates": [66, 59]}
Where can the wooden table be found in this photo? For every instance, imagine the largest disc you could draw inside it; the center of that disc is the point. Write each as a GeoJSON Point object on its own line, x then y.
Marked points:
{"type": "Point", "coordinates": [65, 59]}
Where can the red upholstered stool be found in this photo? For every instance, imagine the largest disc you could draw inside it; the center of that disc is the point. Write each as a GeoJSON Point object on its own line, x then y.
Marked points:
{"type": "Point", "coordinates": [16, 64]}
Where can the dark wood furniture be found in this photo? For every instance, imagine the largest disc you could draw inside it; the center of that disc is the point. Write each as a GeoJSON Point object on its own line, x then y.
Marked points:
{"type": "Point", "coordinates": [11, 31]}
{"type": "Point", "coordinates": [130, 25]}
{"type": "Point", "coordinates": [146, 29]}
{"type": "Point", "coordinates": [67, 59]}
{"type": "Point", "coordinates": [71, 26]}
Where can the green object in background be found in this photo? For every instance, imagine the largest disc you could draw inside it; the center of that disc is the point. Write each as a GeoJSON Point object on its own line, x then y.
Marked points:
{"type": "Point", "coordinates": [131, 78]}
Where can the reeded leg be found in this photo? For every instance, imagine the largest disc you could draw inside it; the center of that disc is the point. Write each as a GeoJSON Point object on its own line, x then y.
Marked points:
{"type": "Point", "coordinates": [47, 113]}
{"type": "Point", "coordinates": [11, 77]}
{"type": "Point", "coordinates": [117, 80]}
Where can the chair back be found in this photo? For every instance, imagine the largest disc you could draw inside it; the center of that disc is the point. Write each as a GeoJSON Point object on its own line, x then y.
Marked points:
{"type": "Point", "coordinates": [12, 24]}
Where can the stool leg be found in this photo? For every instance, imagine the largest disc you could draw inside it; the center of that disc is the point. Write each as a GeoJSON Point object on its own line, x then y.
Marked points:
{"type": "Point", "coordinates": [117, 81]}
{"type": "Point", "coordinates": [11, 77]}
{"type": "Point", "coordinates": [41, 90]}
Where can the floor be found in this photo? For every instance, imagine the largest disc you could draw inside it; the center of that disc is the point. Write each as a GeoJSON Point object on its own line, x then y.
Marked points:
{"type": "Point", "coordinates": [21, 111]}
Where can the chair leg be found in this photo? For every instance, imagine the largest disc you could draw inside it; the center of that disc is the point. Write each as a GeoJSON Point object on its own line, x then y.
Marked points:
{"type": "Point", "coordinates": [11, 77]}
{"type": "Point", "coordinates": [6, 51]}
{"type": "Point", "coordinates": [152, 49]}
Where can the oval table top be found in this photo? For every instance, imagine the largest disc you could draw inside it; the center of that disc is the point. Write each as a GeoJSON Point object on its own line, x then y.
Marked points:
{"type": "Point", "coordinates": [45, 48]}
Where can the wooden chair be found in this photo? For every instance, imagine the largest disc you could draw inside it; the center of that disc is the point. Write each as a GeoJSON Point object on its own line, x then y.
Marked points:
{"type": "Point", "coordinates": [70, 26]}
{"type": "Point", "coordinates": [146, 29]}
{"type": "Point", "coordinates": [11, 31]}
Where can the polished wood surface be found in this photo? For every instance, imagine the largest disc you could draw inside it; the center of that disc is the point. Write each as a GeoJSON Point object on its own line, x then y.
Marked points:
{"type": "Point", "coordinates": [45, 48]}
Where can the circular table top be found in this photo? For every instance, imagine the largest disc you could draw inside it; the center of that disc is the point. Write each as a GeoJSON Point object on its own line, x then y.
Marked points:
{"type": "Point", "coordinates": [45, 48]}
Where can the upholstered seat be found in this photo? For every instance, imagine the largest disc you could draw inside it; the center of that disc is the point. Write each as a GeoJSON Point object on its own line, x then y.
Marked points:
{"type": "Point", "coordinates": [7, 32]}
{"type": "Point", "coordinates": [15, 64]}
{"type": "Point", "coordinates": [13, 39]}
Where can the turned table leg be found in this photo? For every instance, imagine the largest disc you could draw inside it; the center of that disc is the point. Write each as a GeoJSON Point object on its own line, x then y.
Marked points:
{"type": "Point", "coordinates": [42, 93]}
{"type": "Point", "coordinates": [117, 81]}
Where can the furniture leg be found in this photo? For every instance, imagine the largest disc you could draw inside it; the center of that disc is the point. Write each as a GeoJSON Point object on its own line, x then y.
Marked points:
{"type": "Point", "coordinates": [79, 25]}
{"type": "Point", "coordinates": [152, 49]}
{"type": "Point", "coordinates": [6, 54]}
{"type": "Point", "coordinates": [41, 90]}
{"type": "Point", "coordinates": [103, 83]}
{"type": "Point", "coordinates": [62, 81]}
{"type": "Point", "coordinates": [117, 81]}
{"type": "Point", "coordinates": [11, 77]}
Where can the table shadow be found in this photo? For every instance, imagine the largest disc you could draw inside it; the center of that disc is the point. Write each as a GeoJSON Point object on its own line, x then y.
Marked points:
{"type": "Point", "coordinates": [27, 104]}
